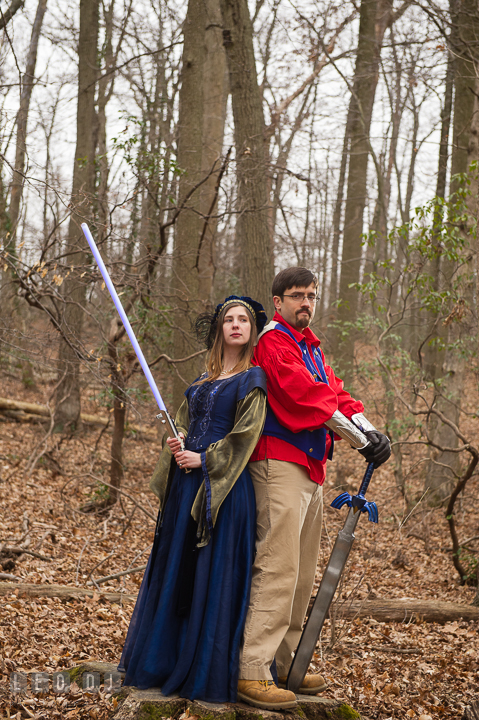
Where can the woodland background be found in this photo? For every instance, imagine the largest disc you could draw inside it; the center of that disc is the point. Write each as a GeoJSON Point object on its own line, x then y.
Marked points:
{"type": "Point", "coordinates": [208, 145]}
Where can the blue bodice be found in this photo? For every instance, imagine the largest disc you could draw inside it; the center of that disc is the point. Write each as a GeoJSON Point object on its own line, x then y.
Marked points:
{"type": "Point", "coordinates": [212, 406]}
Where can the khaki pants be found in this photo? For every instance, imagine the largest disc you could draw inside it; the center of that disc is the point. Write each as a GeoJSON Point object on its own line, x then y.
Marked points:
{"type": "Point", "coordinates": [289, 517]}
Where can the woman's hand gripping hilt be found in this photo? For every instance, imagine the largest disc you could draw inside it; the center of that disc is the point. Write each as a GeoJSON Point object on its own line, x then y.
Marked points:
{"type": "Point", "coordinates": [165, 418]}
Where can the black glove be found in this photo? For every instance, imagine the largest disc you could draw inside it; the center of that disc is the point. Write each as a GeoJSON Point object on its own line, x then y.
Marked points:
{"type": "Point", "coordinates": [379, 448]}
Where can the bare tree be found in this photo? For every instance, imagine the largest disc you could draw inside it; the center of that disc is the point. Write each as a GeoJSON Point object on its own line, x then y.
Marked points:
{"type": "Point", "coordinates": [185, 281]}
{"type": "Point", "coordinates": [12, 216]}
{"type": "Point", "coordinates": [251, 157]}
{"type": "Point", "coordinates": [464, 38]}
{"type": "Point", "coordinates": [28, 83]}
{"type": "Point", "coordinates": [375, 16]}
{"type": "Point", "coordinates": [215, 95]}
{"type": "Point", "coordinates": [68, 402]}
{"type": "Point", "coordinates": [6, 16]}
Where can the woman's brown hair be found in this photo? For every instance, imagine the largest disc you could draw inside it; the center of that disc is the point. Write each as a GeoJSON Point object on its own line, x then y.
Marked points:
{"type": "Point", "coordinates": [214, 360]}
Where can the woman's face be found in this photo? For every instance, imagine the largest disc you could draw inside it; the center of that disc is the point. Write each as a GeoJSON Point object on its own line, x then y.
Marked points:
{"type": "Point", "coordinates": [236, 326]}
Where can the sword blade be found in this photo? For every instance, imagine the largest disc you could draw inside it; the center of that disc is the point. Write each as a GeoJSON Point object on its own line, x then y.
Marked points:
{"type": "Point", "coordinates": [322, 602]}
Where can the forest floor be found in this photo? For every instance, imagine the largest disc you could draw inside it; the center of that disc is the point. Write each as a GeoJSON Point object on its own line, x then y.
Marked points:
{"type": "Point", "coordinates": [384, 670]}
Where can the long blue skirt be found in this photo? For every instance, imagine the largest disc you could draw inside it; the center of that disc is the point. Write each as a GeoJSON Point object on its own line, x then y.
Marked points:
{"type": "Point", "coordinates": [187, 626]}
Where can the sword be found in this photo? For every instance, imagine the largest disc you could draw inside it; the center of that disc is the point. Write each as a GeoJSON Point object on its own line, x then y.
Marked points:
{"type": "Point", "coordinates": [164, 416]}
{"type": "Point", "coordinates": [337, 562]}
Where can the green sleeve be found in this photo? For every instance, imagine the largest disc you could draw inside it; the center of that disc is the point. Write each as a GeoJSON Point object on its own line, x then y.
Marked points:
{"type": "Point", "coordinates": [227, 458]}
{"type": "Point", "coordinates": [159, 480]}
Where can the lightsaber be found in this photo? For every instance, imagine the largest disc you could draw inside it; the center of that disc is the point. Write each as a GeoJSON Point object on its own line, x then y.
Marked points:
{"type": "Point", "coordinates": [164, 415]}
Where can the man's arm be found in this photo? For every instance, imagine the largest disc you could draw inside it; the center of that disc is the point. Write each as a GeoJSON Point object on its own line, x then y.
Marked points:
{"type": "Point", "coordinates": [346, 404]}
{"type": "Point", "coordinates": [378, 447]}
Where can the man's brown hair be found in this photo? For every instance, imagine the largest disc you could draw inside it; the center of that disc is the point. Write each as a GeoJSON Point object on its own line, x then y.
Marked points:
{"type": "Point", "coordinates": [293, 277]}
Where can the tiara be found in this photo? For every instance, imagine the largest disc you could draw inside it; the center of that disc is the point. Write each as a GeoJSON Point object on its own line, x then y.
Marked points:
{"type": "Point", "coordinates": [237, 301]}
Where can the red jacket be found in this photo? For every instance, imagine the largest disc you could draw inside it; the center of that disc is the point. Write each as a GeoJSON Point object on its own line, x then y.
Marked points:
{"type": "Point", "coordinates": [298, 402]}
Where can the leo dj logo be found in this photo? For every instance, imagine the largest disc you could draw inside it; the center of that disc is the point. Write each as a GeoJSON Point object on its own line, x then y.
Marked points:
{"type": "Point", "coordinates": [39, 682]}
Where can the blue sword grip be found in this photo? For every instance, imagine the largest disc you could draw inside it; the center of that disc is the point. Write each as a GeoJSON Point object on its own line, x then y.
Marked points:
{"type": "Point", "coordinates": [366, 479]}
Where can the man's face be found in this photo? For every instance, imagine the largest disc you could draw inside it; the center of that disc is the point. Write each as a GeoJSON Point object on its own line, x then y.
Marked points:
{"type": "Point", "coordinates": [298, 311]}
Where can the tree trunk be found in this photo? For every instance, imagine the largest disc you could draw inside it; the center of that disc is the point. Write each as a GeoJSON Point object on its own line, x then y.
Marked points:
{"type": "Point", "coordinates": [474, 156]}
{"type": "Point", "coordinates": [105, 89]}
{"type": "Point", "coordinates": [362, 99]}
{"type": "Point", "coordinates": [8, 14]}
{"type": "Point", "coordinates": [251, 161]}
{"type": "Point", "coordinates": [68, 402]}
{"type": "Point", "coordinates": [215, 89]}
{"type": "Point", "coordinates": [464, 38]}
{"type": "Point", "coordinates": [373, 20]}
{"type": "Point", "coordinates": [185, 281]}
{"type": "Point", "coordinates": [338, 210]}
{"type": "Point", "coordinates": [443, 465]}
{"type": "Point", "coordinates": [446, 113]}
{"type": "Point", "coordinates": [398, 102]}
{"type": "Point", "coordinates": [472, 711]}
{"type": "Point", "coordinates": [119, 413]}
{"type": "Point", "coordinates": [11, 221]}
{"type": "Point", "coordinates": [28, 83]}
{"type": "Point", "coordinates": [431, 352]}
{"type": "Point", "coordinates": [150, 160]}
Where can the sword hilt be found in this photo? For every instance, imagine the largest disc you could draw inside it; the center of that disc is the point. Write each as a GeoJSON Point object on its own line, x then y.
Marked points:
{"type": "Point", "coordinates": [366, 479]}
{"type": "Point", "coordinates": [166, 419]}
{"type": "Point", "coordinates": [359, 502]}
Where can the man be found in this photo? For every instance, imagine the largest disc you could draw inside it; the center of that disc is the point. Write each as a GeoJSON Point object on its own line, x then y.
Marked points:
{"type": "Point", "coordinates": [288, 470]}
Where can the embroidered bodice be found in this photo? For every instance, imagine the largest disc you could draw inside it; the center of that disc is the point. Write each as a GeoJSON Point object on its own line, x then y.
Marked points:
{"type": "Point", "coordinates": [212, 407]}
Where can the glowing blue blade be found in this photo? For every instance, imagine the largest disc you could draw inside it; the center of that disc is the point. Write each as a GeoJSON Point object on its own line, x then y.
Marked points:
{"type": "Point", "coordinates": [124, 318]}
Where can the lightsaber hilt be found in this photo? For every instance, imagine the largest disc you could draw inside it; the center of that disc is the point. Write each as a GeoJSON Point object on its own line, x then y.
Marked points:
{"type": "Point", "coordinates": [165, 418]}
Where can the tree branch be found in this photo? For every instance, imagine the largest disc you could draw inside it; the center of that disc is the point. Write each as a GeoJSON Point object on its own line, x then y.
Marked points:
{"type": "Point", "coordinates": [6, 16]}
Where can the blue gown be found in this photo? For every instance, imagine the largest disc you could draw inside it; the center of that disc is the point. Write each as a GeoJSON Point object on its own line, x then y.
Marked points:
{"type": "Point", "coordinates": [187, 625]}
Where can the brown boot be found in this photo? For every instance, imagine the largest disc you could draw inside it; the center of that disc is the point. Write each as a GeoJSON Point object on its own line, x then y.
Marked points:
{"type": "Point", "coordinates": [266, 695]}
{"type": "Point", "coordinates": [311, 684]}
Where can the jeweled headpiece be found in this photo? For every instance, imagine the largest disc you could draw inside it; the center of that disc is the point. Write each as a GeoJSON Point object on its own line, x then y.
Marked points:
{"type": "Point", "coordinates": [206, 323]}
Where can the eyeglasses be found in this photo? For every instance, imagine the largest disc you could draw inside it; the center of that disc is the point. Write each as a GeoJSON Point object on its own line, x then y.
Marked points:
{"type": "Point", "coordinates": [300, 297]}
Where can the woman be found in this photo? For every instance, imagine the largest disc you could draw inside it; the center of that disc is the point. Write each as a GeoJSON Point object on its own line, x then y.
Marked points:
{"type": "Point", "coordinates": [187, 626]}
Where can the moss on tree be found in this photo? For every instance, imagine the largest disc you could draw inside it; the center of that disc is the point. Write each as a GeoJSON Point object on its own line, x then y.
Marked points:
{"type": "Point", "coordinates": [343, 712]}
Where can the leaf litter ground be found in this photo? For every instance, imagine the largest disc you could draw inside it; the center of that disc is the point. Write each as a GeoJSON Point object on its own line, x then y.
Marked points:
{"type": "Point", "coordinates": [384, 670]}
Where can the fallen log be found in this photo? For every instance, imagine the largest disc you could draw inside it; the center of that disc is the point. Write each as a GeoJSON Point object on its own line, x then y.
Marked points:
{"type": "Point", "coordinates": [397, 610]}
{"type": "Point", "coordinates": [407, 609]}
{"type": "Point", "coordinates": [472, 711]}
{"type": "Point", "coordinates": [25, 412]}
{"type": "Point", "coordinates": [21, 416]}
{"type": "Point", "coordinates": [8, 576]}
{"type": "Point", "coordinates": [6, 404]}
{"type": "Point", "coordinates": [65, 592]}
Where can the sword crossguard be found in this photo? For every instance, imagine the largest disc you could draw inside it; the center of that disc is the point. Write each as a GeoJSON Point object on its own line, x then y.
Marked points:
{"type": "Point", "coordinates": [359, 503]}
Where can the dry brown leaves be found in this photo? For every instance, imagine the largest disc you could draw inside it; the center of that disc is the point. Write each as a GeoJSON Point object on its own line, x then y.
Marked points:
{"type": "Point", "coordinates": [384, 670]}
